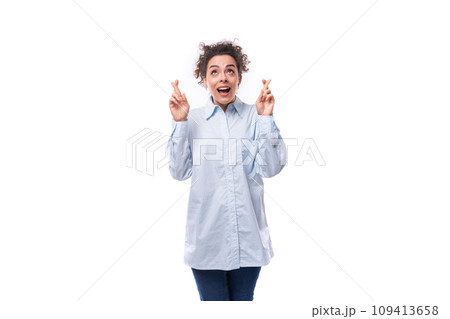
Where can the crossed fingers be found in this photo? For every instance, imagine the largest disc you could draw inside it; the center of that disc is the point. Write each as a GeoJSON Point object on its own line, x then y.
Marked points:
{"type": "Point", "coordinates": [266, 91]}
{"type": "Point", "coordinates": [177, 97]}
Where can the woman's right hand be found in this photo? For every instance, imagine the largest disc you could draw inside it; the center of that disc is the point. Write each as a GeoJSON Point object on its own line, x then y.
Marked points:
{"type": "Point", "coordinates": [178, 104]}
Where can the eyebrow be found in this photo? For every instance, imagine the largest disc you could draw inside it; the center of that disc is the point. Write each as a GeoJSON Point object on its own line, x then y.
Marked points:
{"type": "Point", "coordinates": [225, 66]}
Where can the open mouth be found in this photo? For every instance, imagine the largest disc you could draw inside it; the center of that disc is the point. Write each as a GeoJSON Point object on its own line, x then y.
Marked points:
{"type": "Point", "coordinates": [223, 91]}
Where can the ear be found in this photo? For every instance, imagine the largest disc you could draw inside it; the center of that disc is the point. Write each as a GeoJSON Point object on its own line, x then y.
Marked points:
{"type": "Point", "coordinates": [240, 79]}
{"type": "Point", "coordinates": [205, 83]}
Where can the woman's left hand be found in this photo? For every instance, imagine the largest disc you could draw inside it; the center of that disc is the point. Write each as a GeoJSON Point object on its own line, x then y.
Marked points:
{"type": "Point", "coordinates": [265, 101]}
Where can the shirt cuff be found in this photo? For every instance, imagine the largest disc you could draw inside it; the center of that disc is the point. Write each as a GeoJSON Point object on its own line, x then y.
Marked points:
{"type": "Point", "coordinates": [179, 129]}
{"type": "Point", "coordinates": [266, 123]}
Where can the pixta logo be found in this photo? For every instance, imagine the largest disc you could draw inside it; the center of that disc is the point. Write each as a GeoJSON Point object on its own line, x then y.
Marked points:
{"type": "Point", "coordinates": [146, 151]}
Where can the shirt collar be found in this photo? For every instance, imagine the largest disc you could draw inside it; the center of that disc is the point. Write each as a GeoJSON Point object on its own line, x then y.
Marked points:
{"type": "Point", "coordinates": [210, 107]}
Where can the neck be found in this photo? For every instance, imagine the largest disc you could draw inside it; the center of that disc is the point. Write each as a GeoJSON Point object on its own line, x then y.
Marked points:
{"type": "Point", "coordinates": [224, 106]}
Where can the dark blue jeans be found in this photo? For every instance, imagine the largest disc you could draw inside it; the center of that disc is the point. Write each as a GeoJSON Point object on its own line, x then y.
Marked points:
{"type": "Point", "coordinates": [226, 285]}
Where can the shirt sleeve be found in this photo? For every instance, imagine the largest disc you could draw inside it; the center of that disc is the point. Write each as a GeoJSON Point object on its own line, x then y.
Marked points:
{"type": "Point", "coordinates": [271, 152]}
{"type": "Point", "coordinates": [179, 151]}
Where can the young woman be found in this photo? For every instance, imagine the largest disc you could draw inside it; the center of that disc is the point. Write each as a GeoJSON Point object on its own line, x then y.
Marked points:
{"type": "Point", "coordinates": [227, 147]}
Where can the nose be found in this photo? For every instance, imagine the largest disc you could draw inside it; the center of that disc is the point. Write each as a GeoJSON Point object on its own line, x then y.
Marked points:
{"type": "Point", "coordinates": [223, 77]}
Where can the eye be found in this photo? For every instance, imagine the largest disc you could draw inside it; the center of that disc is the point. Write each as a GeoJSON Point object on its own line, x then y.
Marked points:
{"type": "Point", "coordinates": [214, 71]}
{"type": "Point", "coordinates": [230, 70]}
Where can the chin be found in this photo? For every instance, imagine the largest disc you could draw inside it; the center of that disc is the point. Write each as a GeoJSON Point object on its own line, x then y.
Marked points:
{"type": "Point", "coordinates": [225, 99]}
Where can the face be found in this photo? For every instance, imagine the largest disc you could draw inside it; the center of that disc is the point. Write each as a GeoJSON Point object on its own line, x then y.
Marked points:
{"type": "Point", "coordinates": [222, 72]}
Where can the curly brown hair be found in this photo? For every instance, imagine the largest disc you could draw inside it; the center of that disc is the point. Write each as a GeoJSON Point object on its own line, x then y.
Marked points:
{"type": "Point", "coordinates": [220, 48]}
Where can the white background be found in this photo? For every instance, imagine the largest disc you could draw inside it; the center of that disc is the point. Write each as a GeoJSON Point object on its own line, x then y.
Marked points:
{"type": "Point", "coordinates": [77, 230]}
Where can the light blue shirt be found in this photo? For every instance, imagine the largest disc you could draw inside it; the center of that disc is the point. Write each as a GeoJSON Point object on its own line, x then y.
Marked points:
{"type": "Point", "coordinates": [227, 154]}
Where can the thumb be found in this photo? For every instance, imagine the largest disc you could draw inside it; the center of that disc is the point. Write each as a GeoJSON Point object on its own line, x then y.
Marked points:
{"type": "Point", "coordinates": [258, 100]}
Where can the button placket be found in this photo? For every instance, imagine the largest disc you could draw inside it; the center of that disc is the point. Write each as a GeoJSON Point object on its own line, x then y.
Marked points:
{"type": "Point", "coordinates": [230, 183]}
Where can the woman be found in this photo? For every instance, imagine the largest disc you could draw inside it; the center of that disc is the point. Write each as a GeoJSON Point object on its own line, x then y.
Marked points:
{"type": "Point", "coordinates": [227, 147]}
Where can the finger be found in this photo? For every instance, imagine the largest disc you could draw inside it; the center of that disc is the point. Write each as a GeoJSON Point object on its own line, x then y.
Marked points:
{"type": "Point", "coordinates": [176, 96]}
{"type": "Point", "coordinates": [266, 85]}
{"type": "Point", "coordinates": [174, 101]}
{"type": "Point", "coordinates": [175, 87]}
{"type": "Point", "coordinates": [267, 97]}
{"type": "Point", "coordinates": [259, 97]}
